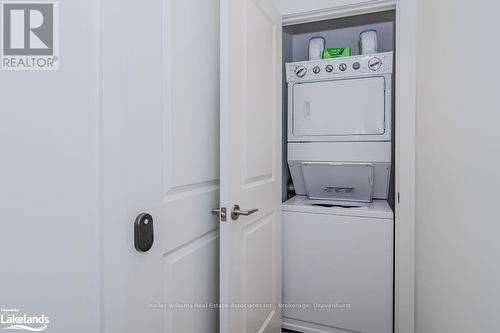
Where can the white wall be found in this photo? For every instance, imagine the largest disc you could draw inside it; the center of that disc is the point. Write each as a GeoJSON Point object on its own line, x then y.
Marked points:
{"type": "Point", "coordinates": [458, 154]}
{"type": "Point", "coordinates": [48, 181]}
{"type": "Point", "coordinates": [287, 7]}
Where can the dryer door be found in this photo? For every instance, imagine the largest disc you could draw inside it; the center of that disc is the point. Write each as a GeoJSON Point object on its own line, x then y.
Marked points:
{"type": "Point", "coordinates": [352, 108]}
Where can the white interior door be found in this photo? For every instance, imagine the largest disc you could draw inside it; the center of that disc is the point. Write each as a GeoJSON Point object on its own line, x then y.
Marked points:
{"type": "Point", "coordinates": [250, 276]}
{"type": "Point", "coordinates": [161, 156]}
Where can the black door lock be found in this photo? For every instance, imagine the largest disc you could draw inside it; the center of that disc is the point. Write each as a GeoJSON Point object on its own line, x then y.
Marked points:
{"type": "Point", "coordinates": [143, 232]}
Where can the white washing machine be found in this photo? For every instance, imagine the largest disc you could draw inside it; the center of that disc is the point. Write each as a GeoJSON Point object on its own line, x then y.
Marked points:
{"type": "Point", "coordinates": [339, 262]}
{"type": "Point", "coordinates": [338, 229]}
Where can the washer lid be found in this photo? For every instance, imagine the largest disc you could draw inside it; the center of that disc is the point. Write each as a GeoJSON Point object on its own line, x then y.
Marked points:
{"type": "Point", "coordinates": [338, 181]}
{"type": "Point", "coordinates": [378, 209]}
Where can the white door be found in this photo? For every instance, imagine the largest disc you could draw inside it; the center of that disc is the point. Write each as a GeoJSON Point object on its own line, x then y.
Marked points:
{"type": "Point", "coordinates": [161, 156]}
{"type": "Point", "coordinates": [250, 278]}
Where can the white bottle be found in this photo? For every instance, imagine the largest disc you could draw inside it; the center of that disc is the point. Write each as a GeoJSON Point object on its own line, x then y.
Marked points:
{"type": "Point", "coordinates": [316, 47]}
{"type": "Point", "coordinates": [368, 42]}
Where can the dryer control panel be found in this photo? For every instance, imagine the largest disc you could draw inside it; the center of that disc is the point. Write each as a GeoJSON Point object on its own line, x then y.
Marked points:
{"type": "Point", "coordinates": [362, 65]}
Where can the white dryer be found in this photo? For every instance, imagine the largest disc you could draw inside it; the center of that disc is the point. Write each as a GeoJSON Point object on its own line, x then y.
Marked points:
{"type": "Point", "coordinates": [339, 127]}
{"type": "Point", "coordinates": [342, 99]}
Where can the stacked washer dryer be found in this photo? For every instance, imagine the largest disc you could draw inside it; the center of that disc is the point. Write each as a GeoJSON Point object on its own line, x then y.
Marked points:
{"type": "Point", "coordinates": [338, 229]}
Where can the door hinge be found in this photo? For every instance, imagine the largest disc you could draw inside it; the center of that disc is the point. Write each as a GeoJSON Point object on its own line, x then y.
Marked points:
{"type": "Point", "coordinates": [399, 198]}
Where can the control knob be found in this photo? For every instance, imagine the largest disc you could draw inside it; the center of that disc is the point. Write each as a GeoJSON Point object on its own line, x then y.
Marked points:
{"type": "Point", "coordinates": [300, 71]}
{"type": "Point", "coordinates": [342, 67]}
{"type": "Point", "coordinates": [329, 68]}
{"type": "Point", "coordinates": [316, 69]}
{"type": "Point", "coordinates": [374, 63]}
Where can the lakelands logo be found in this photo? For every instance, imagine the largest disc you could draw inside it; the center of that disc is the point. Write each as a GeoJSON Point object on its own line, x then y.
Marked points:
{"type": "Point", "coordinates": [30, 35]}
{"type": "Point", "coordinates": [14, 319]}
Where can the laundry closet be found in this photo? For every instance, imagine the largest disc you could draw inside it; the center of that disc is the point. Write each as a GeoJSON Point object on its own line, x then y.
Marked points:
{"type": "Point", "coordinates": [338, 174]}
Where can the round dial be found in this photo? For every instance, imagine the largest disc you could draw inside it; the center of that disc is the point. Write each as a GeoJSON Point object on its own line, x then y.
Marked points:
{"type": "Point", "coordinates": [316, 69]}
{"type": "Point", "coordinates": [356, 65]}
{"type": "Point", "coordinates": [374, 63]}
{"type": "Point", "coordinates": [342, 67]}
{"type": "Point", "coordinates": [329, 68]}
{"type": "Point", "coordinates": [300, 71]}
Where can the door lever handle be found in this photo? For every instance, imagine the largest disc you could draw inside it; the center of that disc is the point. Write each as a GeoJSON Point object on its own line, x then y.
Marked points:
{"type": "Point", "coordinates": [236, 212]}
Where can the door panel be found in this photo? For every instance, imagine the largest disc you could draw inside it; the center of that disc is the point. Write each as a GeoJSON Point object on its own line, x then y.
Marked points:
{"type": "Point", "coordinates": [258, 270]}
{"type": "Point", "coordinates": [251, 166]}
{"type": "Point", "coordinates": [258, 73]}
{"type": "Point", "coordinates": [191, 125]}
{"type": "Point", "coordinates": [183, 284]}
{"type": "Point", "coordinates": [168, 146]}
